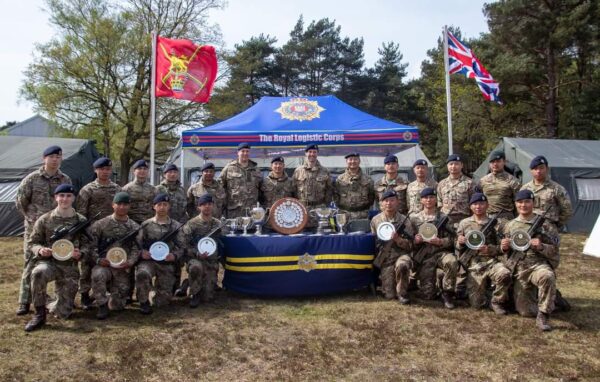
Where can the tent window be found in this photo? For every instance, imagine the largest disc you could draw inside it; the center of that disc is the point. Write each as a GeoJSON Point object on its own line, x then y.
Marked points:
{"type": "Point", "coordinates": [8, 192]}
{"type": "Point", "coordinates": [588, 189]}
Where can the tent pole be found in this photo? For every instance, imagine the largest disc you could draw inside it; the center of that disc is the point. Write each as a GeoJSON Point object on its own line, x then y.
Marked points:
{"type": "Point", "coordinates": [448, 101]}
{"type": "Point", "coordinates": [182, 166]}
{"type": "Point", "coordinates": [153, 109]}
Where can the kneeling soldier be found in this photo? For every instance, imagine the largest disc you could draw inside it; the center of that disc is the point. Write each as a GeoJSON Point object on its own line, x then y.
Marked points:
{"type": "Point", "coordinates": [202, 268]}
{"type": "Point", "coordinates": [482, 264]}
{"type": "Point", "coordinates": [65, 273]}
{"type": "Point", "coordinates": [159, 228]}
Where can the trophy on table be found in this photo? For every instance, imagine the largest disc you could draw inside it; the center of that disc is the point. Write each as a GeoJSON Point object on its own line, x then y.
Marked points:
{"type": "Point", "coordinates": [341, 219]}
{"type": "Point", "coordinates": [258, 215]}
{"type": "Point", "coordinates": [323, 213]}
{"type": "Point", "coordinates": [246, 223]}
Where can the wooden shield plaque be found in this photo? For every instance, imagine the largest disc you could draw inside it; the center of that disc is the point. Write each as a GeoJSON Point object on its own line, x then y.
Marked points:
{"type": "Point", "coordinates": [288, 216]}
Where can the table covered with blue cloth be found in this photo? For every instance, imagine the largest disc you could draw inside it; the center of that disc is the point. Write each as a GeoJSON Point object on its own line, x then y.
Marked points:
{"type": "Point", "coordinates": [280, 266]}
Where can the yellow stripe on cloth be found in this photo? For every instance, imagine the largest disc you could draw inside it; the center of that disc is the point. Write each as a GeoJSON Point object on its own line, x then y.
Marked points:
{"type": "Point", "coordinates": [295, 267]}
{"type": "Point", "coordinates": [276, 259]}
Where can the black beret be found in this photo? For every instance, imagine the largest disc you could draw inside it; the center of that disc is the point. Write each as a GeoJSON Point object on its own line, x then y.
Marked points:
{"type": "Point", "coordinates": [497, 155]}
{"type": "Point", "coordinates": [390, 159]}
{"type": "Point", "coordinates": [428, 191]}
{"type": "Point", "coordinates": [122, 197]}
{"type": "Point", "coordinates": [477, 197]}
{"type": "Point", "coordinates": [388, 194]}
{"type": "Point", "coordinates": [161, 198]}
{"type": "Point", "coordinates": [64, 189]}
{"type": "Point", "coordinates": [278, 159]}
{"type": "Point", "coordinates": [312, 146]}
{"type": "Point", "coordinates": [350, 155]}
{"type": "Point", "coordinates": [102, 162]}
{"type": "Point", "coordinates": [52, 150]}
{"type": "Point", "coordinates": [453, 158]}
{"type": "Point", "coordinates": [524, 194]}
{"type": "Point", "coordinates": [208, 166]}
{"type": "Point", "coordinates": [540, 159]}
{"type": "Point", "coordinates": [244, 145]}
{"type": "Point", "coordinates": [170, 167]}
{"type": "Point", "coordinates": [203, 199]}
{"type": "Point", "coordinates": [420, 162]}
{"type": "Point", "coordinates": [140, 163]}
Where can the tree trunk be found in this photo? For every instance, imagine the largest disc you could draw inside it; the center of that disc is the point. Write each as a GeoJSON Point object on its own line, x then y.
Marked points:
{"type": "Point", "coordinates": [551, 99]}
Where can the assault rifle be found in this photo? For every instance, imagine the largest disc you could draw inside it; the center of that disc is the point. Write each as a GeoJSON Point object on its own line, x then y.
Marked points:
{"type": "Point", "coordinates": [65, 231]}
{"type": "Point", "coordinates": [535, 228]}
{"type": "Point", "coordinates": [385, 252]}
{"type": "Point", "coordinates": [107, 244]}
{"type": "Point", "coordinates": [466, 254]}
{"type": "Point", "coordinates": [439, 225]}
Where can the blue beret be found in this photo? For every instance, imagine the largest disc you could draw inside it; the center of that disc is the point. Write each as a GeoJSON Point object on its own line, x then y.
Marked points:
{"type": "Point", "coordinates": [453, 158]}
{"type": "Point", "coordinates": [390, 159]}
{"type": "Point", "coordinates": [244, 145]}
{"type": "Point", "coordinates": [497, 155]}
{"type": "Point", "coordinates": [208, 166]}
{"type": "Point", "coordinates": [524, 194]}
{"type": "Point", "coordinates": [140, 163]}
{"type": "Point", "coordinates": [388, 194]}
{"type": "Point", "coordinates": [428, 191]}
{"type": "Point", "coordinates": [311, 146]}
{"type": "Point", "coordinates": [170, 167]}
{"type": "Point", "coordinates": [350, 155]}
{"type": "Point", "coordinates": [52, 150]}
{"type": "Point", "coordinates": [420, 162]}
{"type": "Point", "coordinates": [121, 197]}
{"type": "Point", "coordinates": [102, 162]}
{"type": "Point", "coordinates": [477, 197]}
{"type": "Point", "coordinates": [64, 189]}
{"type": "Point", "coordinates": [203, 199]}
{"type": "Point", "coordinates": [278, 159]}
{"type": "Point", "coordinates": [540, 159]}
{"type": "Point", "coordinates": [161, 198]}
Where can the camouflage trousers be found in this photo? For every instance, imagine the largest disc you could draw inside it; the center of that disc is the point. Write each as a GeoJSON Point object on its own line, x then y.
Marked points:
{"type": "Point", "coordinates": [534, 289]}
{"type": "Point", "coordinates": [164, 275]}
{"type": "Point", "coordinates": [85, 277]}
{"type": "Point", "coordinates": [461, 276]}
{"type": "Point", "coordinates": [427, 274]}
{"type": "Point", "coordinates": [480, 275]}
{"type": "Point", "coordinates": [203, 277]}
{"type": "Point", "coordinates": [113, 280]}
{"type": "Point", "coordinates": [395, 277]}
{"type": "Point", "coordinates": [65, 276]}
{"type": "Point", "coordinates": [25, 286]}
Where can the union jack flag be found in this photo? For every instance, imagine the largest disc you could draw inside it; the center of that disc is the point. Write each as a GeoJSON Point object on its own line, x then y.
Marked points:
{"type": "Point", "coordinates": [462, 60]}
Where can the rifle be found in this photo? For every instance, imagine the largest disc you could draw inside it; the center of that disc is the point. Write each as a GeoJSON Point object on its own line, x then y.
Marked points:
{"type": "Point", "coordinates": [466, 254]}
{"type": "Point", "coordinates": [439, 225]}
{"type": "Point", "coordinates": [385, 251]}
{"type": "Point", "coordinates": [65, 231]}
{"type": "Point", "coordinates": [517, 256]}
{"type": "Point", "coordinates": [167, 236]}
{"type": "Point", "coordinates": [106, 245]}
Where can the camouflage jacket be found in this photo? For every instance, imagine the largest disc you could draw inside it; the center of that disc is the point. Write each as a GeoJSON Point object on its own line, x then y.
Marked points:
{"type": "Point", "coordinates": [491, 239]}
{"type": "Point", "coordinates": [389, 251]}
{"type": "Point", "coordinates": [274, 188]}
{"type": "Point", "coordinates": [354, 192]}
{"type": "Point", "coordinates": [500, 190]}
{"type": "Point", "coordinates": [241, 184]}
{"type": "Point", "coordinates": [425, 249]}
{"type": "Point", "coordinates": [142, 196]}
{"type": "Point", "coordinates": [552, 194]}
{"type": "Point", "coordinates": [152, 231]}
{"type": "Point", "coordinates": [399, 185]}
{"type": "Point", "coordinates": [194, 230]}
{"type": "Point", "coordinates": [313, 185]}
{"type": "Point", "coordinates": [107, 230]}
{"type": "Point", "coordinates": [413, 194]}
{"type": "Point", "coordinates": [95, 197]}
{"type": "Point", "coordinates": [178, 210]}
{"type": "Point", "coordinates": [548, 236]}
{"type": "Point", "coordinates": [215, 189]}
{"type": "Point", "coordinates": [454, 194]}
{"type": "Point", "coordinates": [35, 195]}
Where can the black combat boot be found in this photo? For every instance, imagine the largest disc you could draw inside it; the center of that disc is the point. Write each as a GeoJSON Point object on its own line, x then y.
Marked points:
{"type": "Point", "coordinates": [448, 300]}
{"type": "Point", "coordinates": [86, 301]}
{"type": "Point", "coordinates": [195, 300]}
{"type": "Point", "coordinates": [145, 308]}
{"type": "Point", "coordinates": [182, 290]}
{"type": "Point", "coordinates": [38, 320]}
{"type": "Point", "coordinates": [542, 322]}
{"type": "Point", "coordinates": [498, 308]}
{"type": "Point", "coordinates": [102, 312]}
{"type": "Point", "coordinates": [23, 309]}
{"type": "Point", "coordinates": [562, 305]}
{"type": "Point", "coordinates": [403, 300]}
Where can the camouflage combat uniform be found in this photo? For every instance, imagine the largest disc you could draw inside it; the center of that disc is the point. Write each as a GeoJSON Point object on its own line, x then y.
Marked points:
{"type": "Point", "coordinates": [394, 261]}
{"type": "Point", "coordinates": [35, 197]}
{"type": "Point", "coordinates": [354, 194]}
{"type": "Point", "coordinates": [142, 195]}
{"type": "Point", "coordinates": [114, 280]}
{"type": "Point", "coordinates": [484, 268]}
{"type": "Point", "coordinates": [215, 189]}
{"type": "Point", "coordinates": [65, 274]}
{"type": "Point", "coordinates": [274, 188]}
{"type": "Point", "coordinates": [242, 185]}
{"type": "Point", "coordinates": [500, 190]}
{"type": "Point", "coordinates": [535, 280]}
{"type": "Point", "coordinates": [413, 194]}
{"type": "Point", "coordinates": [164, 271]}
{"type": "Point", "coordinates": [552, 194]}
{"type": "Point", "coordinates": [178, 210]}
{"type": "Point", "coordinates": [202, 272]}
{"type": "Point", "coordinates": [398, 185]}
{"type": "Point", "coordinates": [454, 195]}
{"type": "Point", "coordinates": [313, 188]}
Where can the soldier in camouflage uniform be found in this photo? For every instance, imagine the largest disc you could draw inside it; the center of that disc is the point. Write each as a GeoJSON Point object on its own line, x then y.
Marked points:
{"type": "Point", "coordinates": [153, 230]}
{"type": "Point", "coordinates": [393, 181]}
{"type": "Point", "coordinates": [484, 266]}
{"type": "Point", "coordinates": [413, 191]}
{"type": "Point", "coordinates": [35, 198]}
{"type": "Point", "coordinates": [106, 278]}
{"type": "Point", "coordinates": [535, 280]}
{"type": "Point", "coordinates": [277, 184]}
{"type": "Point", "coordinates": [65, 273]}
{"type": "Point", "coordinates": [241, 180]}
{"type": "Point", "coordinates": [206, 184]}
{"type": "Point", "coordinates": [141, 193]}
{"type": "Point", "coordinates": [353, 191]}
{"type": "Point", "coordinates": [394, 256]}
{"type": "Point", "coordinates": [312, 183]}
{"type": "Point", "coordinates": [455, 191]}
{"type": "Point", "coordinates": [434, 255]}
{"type": "Point", "coordinates": [95, 197]}
{"type": "Point", "coordinates": [500, 188]}
{"type": "Point", "coordinates": [177, 195]}
{"type": "Point", "coordinates": [202, 269]}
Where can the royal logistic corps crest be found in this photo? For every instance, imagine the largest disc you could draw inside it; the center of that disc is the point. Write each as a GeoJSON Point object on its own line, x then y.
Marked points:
{"type": "Point", "coordinates": [299, 109]}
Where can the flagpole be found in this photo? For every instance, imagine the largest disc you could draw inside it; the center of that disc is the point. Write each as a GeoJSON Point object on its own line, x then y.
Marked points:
{"type": "Point", "coordinates": [153, 109]}
{"type": "Point", "coordinates": [448, 100]}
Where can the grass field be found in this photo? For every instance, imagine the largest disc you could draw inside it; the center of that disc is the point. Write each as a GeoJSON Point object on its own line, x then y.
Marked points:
{"type": "Point", "coordinates": [345, 337]}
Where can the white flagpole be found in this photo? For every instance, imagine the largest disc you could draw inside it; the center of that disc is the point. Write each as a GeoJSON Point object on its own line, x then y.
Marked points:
{"type": "Point", "coordinates": [448, 100]}
{"type": "Point", "coordinates": [153, 109]}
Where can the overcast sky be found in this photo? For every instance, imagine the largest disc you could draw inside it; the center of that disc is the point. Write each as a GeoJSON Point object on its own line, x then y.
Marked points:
{"type": "Point", "coordinates": [415, 25]}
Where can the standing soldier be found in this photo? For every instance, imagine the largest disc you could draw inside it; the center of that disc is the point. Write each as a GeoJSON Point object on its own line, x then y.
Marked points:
{"type": "Point", "coordinates": [65, 273]}
{"type": "Point", "coordinates": [535, 280]}
{"type": "Point", "coordinates": [277, 184]}
{"type": "Point", "coordinates": [95, 197]}
{"type": "Point", "coordinates": [202, 269]}
{"type": "Point", "coordinates": [353, 191]}
{"type": "Point", "coordinates": [141, 193]}
{"type": "Point", "coordinates": [393, 257]}
{"type": "Point", "coordinates": [241, 179]}
{"type": "Point", "coordinates": [393, 181]}
{"type": "Point", "coordinates": [500, 188]}
{"type": "Point", "coordinates": [177, 196]}
{"type": "Point", "coordinates": [34, 198]}
{"type": "Point", "coordinates": [206, 184]}
{"type": "Point", "coordinates": [413, 191]}
{"type": "Point", "coordinates": [106, 233]}
{"type": "Point", "coordinates": [153, 230]}
{"type": "Point", "coordinates": [455, 191]}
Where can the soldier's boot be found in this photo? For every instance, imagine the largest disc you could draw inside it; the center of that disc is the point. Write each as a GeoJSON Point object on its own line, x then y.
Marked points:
{"type": "Point", "coordinates": [542, 322]}
{"type": "Point", "coordinates": [461, 294]}
{"type": "Point", "coordinates": [182, 290]}
{"type": "Point", "coordinates": [38, 320]}
{"type": "Point", "coordinates": [498, 308]}
{"type": "Point", "coordinates": [448, 300]}
{"type": "Point", "coordinates": [561, 303]}
{"type": "Point", "coordinates": [145, 308]}
{"type": "Point", "coordinates": [23, 309]}
{"type": "Point", "coordinates": [195, 300]}
{"type": "Point", "coordinates": [102, 312]}
{"type": "Point", "coordinates": [403, 300]}
{"type": "Point", "coordinates": [86, 301]}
